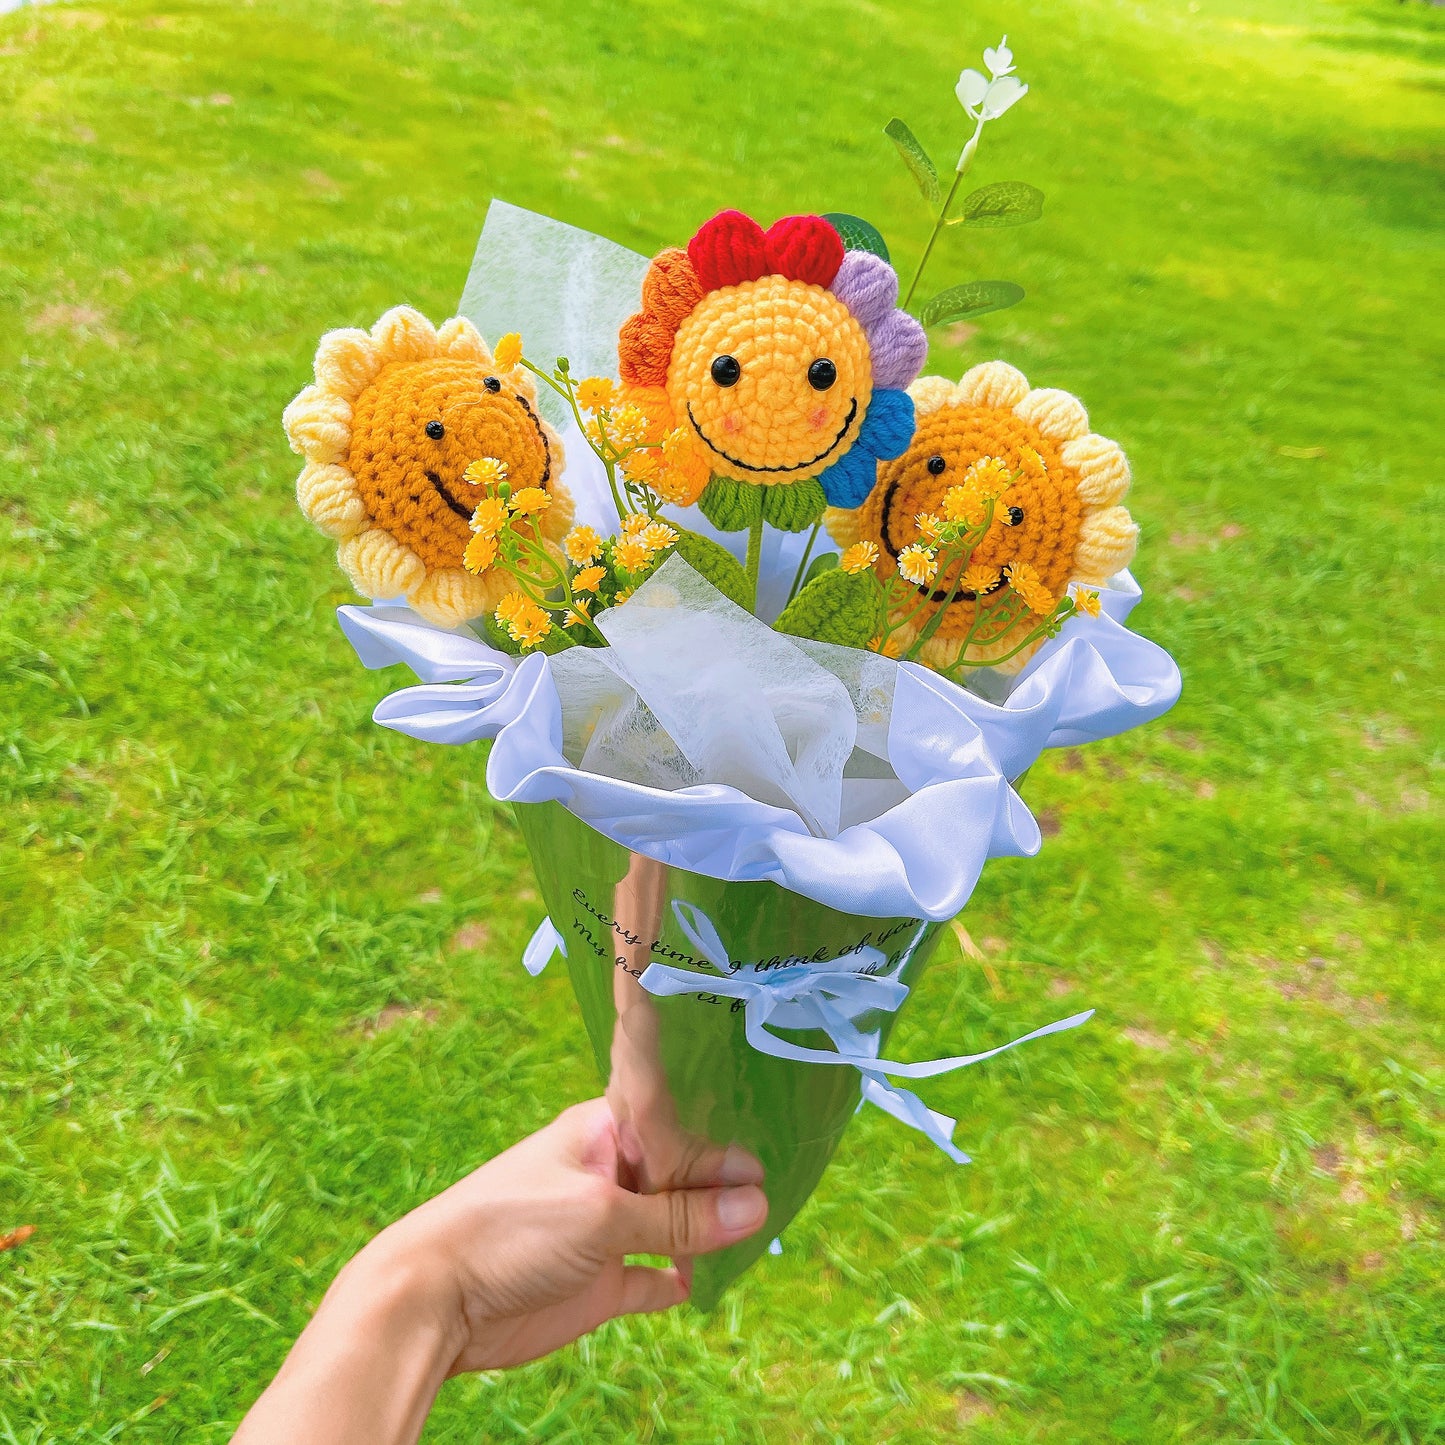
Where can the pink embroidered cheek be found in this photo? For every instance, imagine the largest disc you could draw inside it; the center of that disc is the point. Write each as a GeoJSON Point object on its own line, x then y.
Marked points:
{"type": "Point", "coordinates": [732, 423]}
{"type": "Point", "coordinates": [818, 417]}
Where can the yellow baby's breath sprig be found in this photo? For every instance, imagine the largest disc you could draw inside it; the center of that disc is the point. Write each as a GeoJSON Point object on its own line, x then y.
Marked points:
{"type": "Point", "coordinates": [508, 352]}
{"type": "Point", "coordinates": [918, 564]}
{"type": "Point", "coordinates": [1086, 601]}
{"type": "Point", "coordinates": [486, 472]}
{"type": "Point", "coordinates": [631, 556]}
{"type": "Point", "coordinates": [582, 545]}
{"type": "Point", "coordinates": [979, 580]}
{"type": "Point", "coordinates": [1024, 580]}
{"type": "Point", "coordinates": [529, 501]}
{"type": "Point", "coordinates": [481, 552]}
{"type": "Point", "coordinates": [965, 504]}
{"type": "Point", "coordinates": [859, 557]}
{"type": "Point", "coordinates": [990, 477]}
{"type": "Point", "coordinates": [490, 517]}
{"type": "Point", "coordinates": [589, 579]}
{"type": "Point", "coordinates": [596, 393]}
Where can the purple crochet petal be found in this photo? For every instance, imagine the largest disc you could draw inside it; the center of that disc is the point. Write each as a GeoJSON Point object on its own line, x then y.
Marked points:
{"type": "Point", "coordinates": [867, 285]}
{"type": "Point", "coordinates": [900, 347]}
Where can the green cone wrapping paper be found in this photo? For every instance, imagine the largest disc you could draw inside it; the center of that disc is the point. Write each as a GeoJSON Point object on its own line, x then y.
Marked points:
{"type": "Point", "coordinates": [682, 1078]}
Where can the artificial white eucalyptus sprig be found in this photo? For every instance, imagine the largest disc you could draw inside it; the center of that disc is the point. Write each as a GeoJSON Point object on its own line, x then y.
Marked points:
{"type": "Point", "coordinates": [984, 98]}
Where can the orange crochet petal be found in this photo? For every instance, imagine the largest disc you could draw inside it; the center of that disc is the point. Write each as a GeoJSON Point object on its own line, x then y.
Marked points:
{"type": "Point", "coordinates": [644, 349]}
{"type": "Point", "coordinates": [671, 290]}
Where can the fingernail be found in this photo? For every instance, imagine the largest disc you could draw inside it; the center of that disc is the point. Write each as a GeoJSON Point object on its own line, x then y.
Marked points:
{"type": "Point", "coordinates": [739, 1167]}
{"type": "Point", "coordinates": [741, 1208]}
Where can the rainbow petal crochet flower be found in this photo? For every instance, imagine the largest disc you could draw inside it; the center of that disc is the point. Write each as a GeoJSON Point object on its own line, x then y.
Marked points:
{"type": "Point", "coordinates": [781, 357]}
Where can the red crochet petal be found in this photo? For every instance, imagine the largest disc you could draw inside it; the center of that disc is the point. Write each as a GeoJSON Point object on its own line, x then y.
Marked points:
{"type": "Point", "coordinates": [804, 248]}
{"type": "Point", "coordinates": [729, 249]}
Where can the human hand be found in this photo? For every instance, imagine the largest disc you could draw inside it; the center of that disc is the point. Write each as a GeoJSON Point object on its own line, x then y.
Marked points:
{"type": "Point", "coordinates": [522, 1256]}
{"type": "Point", "coordinates": [526, 1254]}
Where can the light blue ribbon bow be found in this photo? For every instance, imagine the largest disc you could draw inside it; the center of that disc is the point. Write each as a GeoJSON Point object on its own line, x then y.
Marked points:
{"type": "Point", "coordinates": [812, 997]}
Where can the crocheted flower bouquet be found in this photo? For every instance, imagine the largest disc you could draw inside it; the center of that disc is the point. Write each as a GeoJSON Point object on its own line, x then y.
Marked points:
{"type": "Point", "coordinates": [762, 626]}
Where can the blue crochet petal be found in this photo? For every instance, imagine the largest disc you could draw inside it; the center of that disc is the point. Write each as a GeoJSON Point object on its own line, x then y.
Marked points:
{"type": "Point", "coordinates": [888, 427]}
{"type": "Point", "coordinates": [849, 480]}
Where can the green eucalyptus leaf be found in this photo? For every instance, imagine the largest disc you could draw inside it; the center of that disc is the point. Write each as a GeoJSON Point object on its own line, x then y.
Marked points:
{"type": "Point", "coordinates": [915, 158]}
{"type": "Point", "coordinates": [717, 564]}
{"type": "Point", "coordinates": [823, 562]}
{"type": "Point", "coordinates": [1007, 203]}
{"type": "Point", "coordinates": [857, 234]}
{"type": "Point", "coordinates": [973, 298]}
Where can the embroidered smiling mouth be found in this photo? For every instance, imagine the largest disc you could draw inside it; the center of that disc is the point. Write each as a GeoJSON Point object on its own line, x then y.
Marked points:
{"type": "Point", "coordinates": [461, 508]}
{"type": "Point", "coordinates": [797, 466]}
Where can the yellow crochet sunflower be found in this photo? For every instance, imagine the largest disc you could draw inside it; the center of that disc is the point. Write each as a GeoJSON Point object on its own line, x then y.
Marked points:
{"type": "Point", "coordinates": [1061, 516]}
{"type": "Point", "coordinates": [388, 430]}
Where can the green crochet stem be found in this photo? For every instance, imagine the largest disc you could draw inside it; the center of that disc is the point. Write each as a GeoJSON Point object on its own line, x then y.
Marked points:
{"type": "Point", "coordinates": [755, 559]}
{"type": "Point", "coordinates": [803, 565]}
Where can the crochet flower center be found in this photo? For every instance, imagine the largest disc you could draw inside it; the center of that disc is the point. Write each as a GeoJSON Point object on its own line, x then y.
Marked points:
{"type": "Point", "coordinates": [774, 378]}
{"type": "Point", "coordinates": [1045, 535]}
{"type": "Point", "coordinates": [416, 429]}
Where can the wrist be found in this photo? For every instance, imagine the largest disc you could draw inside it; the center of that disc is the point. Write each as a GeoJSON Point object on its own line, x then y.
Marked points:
{"type": "Point", "coordinates": [399, 1292]}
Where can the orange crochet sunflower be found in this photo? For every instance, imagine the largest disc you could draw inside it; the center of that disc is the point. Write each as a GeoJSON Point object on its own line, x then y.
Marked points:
{"type": "Point", "coordinates": [388, 430]}
{"type": "Point", "coordinates": [1061, 517]}
{"type": "Point", "coordinates": [780, 356]}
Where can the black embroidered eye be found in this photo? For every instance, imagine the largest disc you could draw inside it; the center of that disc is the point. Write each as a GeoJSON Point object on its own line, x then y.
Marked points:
{"type": "Point", "coordinates": [492, 384]}
{"type": "Point", "coordinates": [1013, 515]}
{"type": "Point", "coordinates": [725, 370]}
{"type": "Point", "coordinates": [936, 465]}
{"type": "Point", "coordinates": [822, 374]}
{"type": "Point", "coordinates": [435, 430]}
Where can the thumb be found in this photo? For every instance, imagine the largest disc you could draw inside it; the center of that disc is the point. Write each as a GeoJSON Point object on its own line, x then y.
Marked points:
{"type": "Point", "coordinates": [687, 1221]}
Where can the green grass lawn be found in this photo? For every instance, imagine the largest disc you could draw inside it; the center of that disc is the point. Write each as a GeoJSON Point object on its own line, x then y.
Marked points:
{"type": "Point", "coordinates": [259, 957]}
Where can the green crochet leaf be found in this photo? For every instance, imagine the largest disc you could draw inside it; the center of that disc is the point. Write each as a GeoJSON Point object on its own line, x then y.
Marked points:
{"type": "Point", "coordinates": [836, 606]}
{"type": "Point", "coordinates": [731, 506]}
{"type": "Point", "coordinates": [857, 234]}
{"type": "Point", "coordinates": [717, 564]}
{"type": "Point", "coordinates": [793, 506]}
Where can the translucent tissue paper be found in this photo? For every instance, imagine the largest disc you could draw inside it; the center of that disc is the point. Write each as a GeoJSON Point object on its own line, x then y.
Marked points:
{"type": "Point", "coordinates": [741, 704]}
{"type": "Point", "coordinates": [831, 773]}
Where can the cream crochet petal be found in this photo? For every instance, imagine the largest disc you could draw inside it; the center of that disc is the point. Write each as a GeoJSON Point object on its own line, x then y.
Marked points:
{"type": "Point", "coordinates": [993, 383]}
{"type": "Point", "coordinates": [347, 362]}
{"type": "Point", "coordinates": [930, 393]}
{"type": "Point", "coordinates": [329, 497]}
{"type": "Point", "coordinates": [452, 595]}
{"type": "Point", "coordinates": [318, 425]}
{"type": "Point", "coordinates": [404, 334]}
{"type": "Point", "coordinates": [1102, 467]}
{"type": "Point", "coordinates": [378, 565]}
{"type": "Point", "coordinates": [1107, 543]}
{"type": "Point", "coordinates": [460, 340]}
{"type": "Point", "coordinates": [1059, 416]}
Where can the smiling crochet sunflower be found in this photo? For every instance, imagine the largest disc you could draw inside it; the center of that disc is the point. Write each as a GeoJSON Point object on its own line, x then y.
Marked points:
{"type": "Point", "coordinates": [782, 359]}
{"type": "Point", "coordinates": [1059, 524]}
{"type": "Point", "coordinates": [394, 420]}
